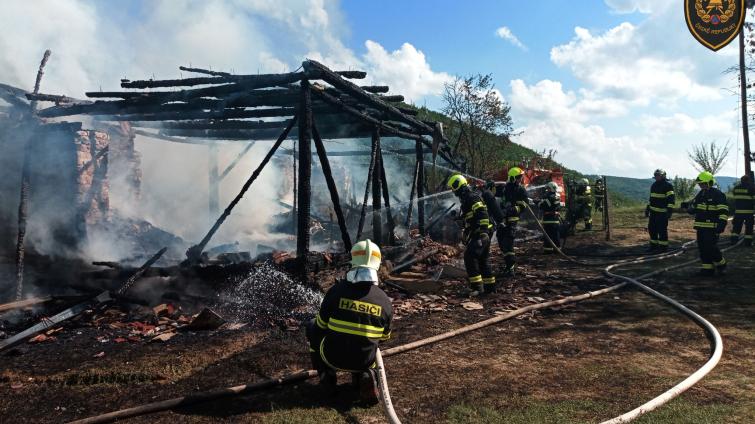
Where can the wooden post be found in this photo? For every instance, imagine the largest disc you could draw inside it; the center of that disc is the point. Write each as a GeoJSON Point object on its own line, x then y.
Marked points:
{"type": "Point", "coordinates": [377, 176]}
{"type": "Point", "coordinates": [214, 192]}
{"type": "Point", "coordinates": [387, 200]}
{"type": "Point", "coordinates": [323, 155]}
{"type": "Point", "coordinates": [370, 171]}
{"type": "Point", "coordinates": [606, 217]}
{"type": "Point", "coordinates": [420, 187]}
{"type": "Point", "coordinates": [411, 196]}
{"type": "Point", "coordinates": [293, 211]}
{"type": "Point", "coordinates": [305, 175]}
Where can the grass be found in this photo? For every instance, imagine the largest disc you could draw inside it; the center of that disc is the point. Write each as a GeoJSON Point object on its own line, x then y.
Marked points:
{"type": "Point", "coordinates": [579, 411]}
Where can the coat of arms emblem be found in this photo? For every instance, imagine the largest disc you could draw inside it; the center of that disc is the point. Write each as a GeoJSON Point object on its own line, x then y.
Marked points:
{"type": "Point", "coordinates": [714, 23]}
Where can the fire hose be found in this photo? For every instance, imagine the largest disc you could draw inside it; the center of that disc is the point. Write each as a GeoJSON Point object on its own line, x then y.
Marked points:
{"type": "Point", "coordinates": [387, 403]}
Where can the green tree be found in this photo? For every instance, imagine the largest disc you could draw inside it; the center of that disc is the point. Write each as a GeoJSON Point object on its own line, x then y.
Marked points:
{"type": "Point", "coordinates": [481, 122]}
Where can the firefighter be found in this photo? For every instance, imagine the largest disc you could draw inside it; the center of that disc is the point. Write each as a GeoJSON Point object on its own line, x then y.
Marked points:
{"type": "Point", "coordinates": [583, 200]}
{"type": "Point", "coordinates": [659, 210]}
{"type": "Point", "coordinates": [744, 207]}
{"type": "Point", "coordinates": [711, 212]}
{"type": "Point", "coordinates": [550, 207]}
{"type": "Point", "coordinates": [476, 235]}
{"type": "Point", "coordinates": [354, 317]}
{"type": "Point", "coordinates": [513, 202]}
{"type": "Point", "coordinates": [494, 210]}
{"type": "Point", "coordinates": [600, 193]}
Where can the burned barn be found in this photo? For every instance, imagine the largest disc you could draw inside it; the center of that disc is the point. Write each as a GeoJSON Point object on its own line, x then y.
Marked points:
{"type": "Point", "coordinates": [66, 165]}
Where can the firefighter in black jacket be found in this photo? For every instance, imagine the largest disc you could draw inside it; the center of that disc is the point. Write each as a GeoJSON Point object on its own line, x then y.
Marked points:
{"type": "Point", "coordinates": [514, 201]}
{"type": "Point", "coordinates": [658, 211]}
{"type": "Point", "coordinates": [549, 206]}
{"type": "Point", "coordinates": [711, 212]}
{"type": "Point", "coordinates": [476, 235]}
{"type": "Point", "coordinates": [744, 207]}
{"type": "Point", "coordinates": [354, 317]}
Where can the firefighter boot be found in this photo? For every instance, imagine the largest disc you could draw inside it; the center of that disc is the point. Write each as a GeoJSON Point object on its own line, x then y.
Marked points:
{"type": "Point", "coordinates": [510, 267]}
{"type": "Point", "coordinates": [721, 266]}
{"type": "Point", "coordinates": [368, 389]}
{"type": "Point", "coordinates": [328, 382]}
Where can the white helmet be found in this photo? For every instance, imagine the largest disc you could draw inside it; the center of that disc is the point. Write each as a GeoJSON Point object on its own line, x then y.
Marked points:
{"type": "Point", "coordinates": [365, 262]}
{"type": "Point", "coordinates": [552, 186]}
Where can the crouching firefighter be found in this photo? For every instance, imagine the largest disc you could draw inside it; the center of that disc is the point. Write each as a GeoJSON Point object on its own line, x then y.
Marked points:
{"type": "Point", "coordinates": [354, 317]}
{"type": "Point", "coordinates": [514, 201]}
{"type": "Point", "coordinates": [550, 206]}
{"type": "Point", "coordinates": [476, 235]}
{"type": "Point", "coordinates": [711, 212]}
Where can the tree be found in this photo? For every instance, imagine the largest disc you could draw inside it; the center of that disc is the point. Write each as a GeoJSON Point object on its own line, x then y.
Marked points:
{"type": "Point", "coordinates": [481, 121]}
{"type": "Point", "coordinates": [684, 188]}
{"type": "Point", "coordinates": [709, 156]}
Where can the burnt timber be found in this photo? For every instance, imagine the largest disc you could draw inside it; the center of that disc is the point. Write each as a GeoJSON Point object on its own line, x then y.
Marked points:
{"type": "Point", "coordinates": [219, 106]}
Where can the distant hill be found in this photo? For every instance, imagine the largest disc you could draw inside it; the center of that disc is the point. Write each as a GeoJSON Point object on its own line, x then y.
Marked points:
{"type": "Point", "coordinates": [637, 189]}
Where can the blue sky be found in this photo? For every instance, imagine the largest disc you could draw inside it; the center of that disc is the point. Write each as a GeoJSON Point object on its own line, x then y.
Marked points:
{"type": "Point", "coordinates": [616, 86]}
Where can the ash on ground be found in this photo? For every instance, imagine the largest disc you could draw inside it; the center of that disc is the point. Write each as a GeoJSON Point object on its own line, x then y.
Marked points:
{"type": "Point", "coordinates": [267, 296]}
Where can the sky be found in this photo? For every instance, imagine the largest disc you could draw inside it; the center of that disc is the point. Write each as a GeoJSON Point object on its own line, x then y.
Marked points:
{"type": "Point", "coordinates": [617, 87]}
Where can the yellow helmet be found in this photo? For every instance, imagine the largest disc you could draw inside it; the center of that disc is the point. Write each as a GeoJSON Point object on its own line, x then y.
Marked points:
{"type": "Point", "coordinates": [515, 172]}
{"type": "Point", "coordinates": [365, 254]}
{"type": "Point", "coordinates": [456, 182]}
{"type": "Point", "coordinates": [705, 177]}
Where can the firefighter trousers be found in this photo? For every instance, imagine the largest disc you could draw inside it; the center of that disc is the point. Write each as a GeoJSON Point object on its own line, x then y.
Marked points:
{"type": "Point", "coordinates": [736, 228]}
{"type": "Point", "coordinates": [552, 231]}
{"type": "Point", "coordinates": [506, 243]}
{"type": "Point", "coordinates": [477, 262]}
{"type": "Point", "coordinates": [658, 228]}
{"type": "Point", "coordinates": [710, 254]}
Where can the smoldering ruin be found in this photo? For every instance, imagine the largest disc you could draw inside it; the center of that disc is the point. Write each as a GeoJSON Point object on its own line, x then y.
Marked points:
{"type": "Point", "coordinates": [134, 207]}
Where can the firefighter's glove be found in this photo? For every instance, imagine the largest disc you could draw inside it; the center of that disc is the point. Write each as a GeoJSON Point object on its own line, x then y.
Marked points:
{"type": "Point", "coordinates": [721, 227]}
{"type": "Point", "coordinates": [647, 211]}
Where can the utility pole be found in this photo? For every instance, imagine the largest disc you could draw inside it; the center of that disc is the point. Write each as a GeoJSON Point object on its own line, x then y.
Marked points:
{"type": "Point", "coordinates": [749, 4]}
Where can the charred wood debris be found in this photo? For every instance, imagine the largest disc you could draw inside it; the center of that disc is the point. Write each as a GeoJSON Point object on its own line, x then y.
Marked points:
{"type": "Point", "coordinates": [211, 289]}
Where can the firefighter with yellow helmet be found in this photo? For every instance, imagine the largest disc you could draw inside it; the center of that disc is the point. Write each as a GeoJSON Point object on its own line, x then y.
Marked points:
{"type": "Point", "coordinates": [583, 203]}
{"type": "Point", "coordinates": [513, 202]}
{"type": "Point", "coordinates": [354, 317]}
{"type": "Point", "coordinates": [711, 213]}
{"type": "Point", "coordinates": [476, 235]}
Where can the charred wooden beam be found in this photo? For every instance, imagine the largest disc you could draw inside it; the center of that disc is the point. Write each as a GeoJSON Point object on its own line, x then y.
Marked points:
{"type": "Point", "coordinates": [252, 81]}
{"type": "Point", "coordinates": [205, 71]}
{"type": "Point", "coordinates": [235, 161]}
{"type": "Point", "coordinates": [213, 180]}
{"type": "Point", "coordinates": [386, 199]}
{"type": "Point", "coordinates": [370, 172]}
{"type": "Point", "coordinates": [325, 163]}
{"type": "Point", "coordinates": [41, 97]}
{"type": "Point", "coordinates": [139, 272]}
{"type": "Point", "coordinates": [171, 139]}
{"type": "Point", "coordinates": [201, 114]}
{"type": "Point", "coordinates": [420, 188]}
{"type": "Point", "coordinates": [329, 132]}
{"type": "Point", "coordinates": [386, 128]}
{"type": "Point", "coordinates": [94, 160]}
{"type": "Point", "coordinates": [316, 68]}
{"type": "Point", "coordinates": [377, 185]}
{"type": "Point", "coordinates": [415, 175]}
{"type": "Point", "coordinates": [305, 176]}
{"type": "Point", "coordinates": [195, 252]}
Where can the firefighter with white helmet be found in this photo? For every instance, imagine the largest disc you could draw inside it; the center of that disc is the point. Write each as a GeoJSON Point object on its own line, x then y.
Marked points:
{"type": "Point", "coordinates": [550, 206]}
{"type": "Point", "coordinates": [354, 317]}
{"type": "Point", "coordinates": [583, 202]}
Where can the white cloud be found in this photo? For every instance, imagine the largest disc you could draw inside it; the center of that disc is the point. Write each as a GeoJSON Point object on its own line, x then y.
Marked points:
{"type": "Point", "coordinates": [506, 34]}
{"type": "Point", "coordinates": [620, 64]}
{"type": "Point", "coordinates": [642, 6]}
{"type": "Point", "coordinates": [405, 70]}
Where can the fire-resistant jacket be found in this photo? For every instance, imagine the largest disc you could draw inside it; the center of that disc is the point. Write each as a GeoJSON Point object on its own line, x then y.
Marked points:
{"type": "Point", "coordinates": [661, 196]}
{"type": "Point", "coordinates": [710, 209]}
{"type": "Point", "coordinates": [355, 317]}
{"type": "Point", "coordinates": [474, 212]}
{"type": "Point", "coordinates": [583, 195]}
{"type": "Point", "coordinates": [513, 200]}
{"type": "Point", "coordinates": [744, 199]}
{"type": "Point", "coordinates": [550, 206]}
